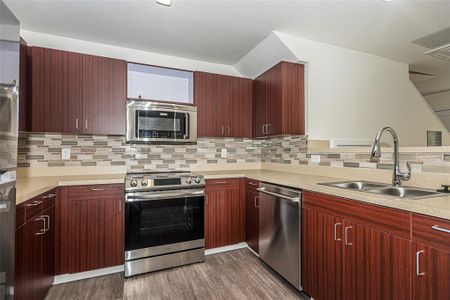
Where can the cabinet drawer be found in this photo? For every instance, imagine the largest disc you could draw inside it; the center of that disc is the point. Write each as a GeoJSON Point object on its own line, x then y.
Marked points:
{"type": "Point", "coordinates": [222, 181]}
{"type": "Point", "coordinates": [33, 207]}
{"type": "Point", "coordinates": [432, 231]}
{"type": "Point", "coordinates": [48, 199]}
{"type": "Point", "coordinates": [20, 215]}
{"type": "Point", "coordinates": [104, 190]}
{"type": "Point", "coordinates": [251, 184]}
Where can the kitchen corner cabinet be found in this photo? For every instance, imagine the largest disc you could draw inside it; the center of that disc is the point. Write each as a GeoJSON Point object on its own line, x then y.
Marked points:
{"type": "Point", "coordinates": [76, 93]}
{"type": "Point", "coordinates": [279, 101]}
{"type": "Point", "coordinates": [224, 105]}
{"type": "Point", "coordinates": [252, 214]}
{"type": "Point", "coordinates": [90, 228]}
{"type": "Point", "coordinates": [350, 251]}
{"type": "Point", "coordinates": [35, 244]}
{"type": "Point", "coordinates": [224, 212]}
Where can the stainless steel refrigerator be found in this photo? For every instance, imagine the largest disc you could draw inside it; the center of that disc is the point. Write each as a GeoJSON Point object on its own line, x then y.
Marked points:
{"type": "Point", "coordinates": [9, 100]}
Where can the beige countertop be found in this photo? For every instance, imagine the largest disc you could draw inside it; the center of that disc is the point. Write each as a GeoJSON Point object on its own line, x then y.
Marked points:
{"type": "Point", "coordinates": [29, 187]}
{"type": "Point", "coordinates": [433, 206]}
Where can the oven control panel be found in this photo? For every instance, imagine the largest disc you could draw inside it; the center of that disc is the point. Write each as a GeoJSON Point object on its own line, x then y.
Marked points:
{"type": "Point", "coordinates": [162, 181]}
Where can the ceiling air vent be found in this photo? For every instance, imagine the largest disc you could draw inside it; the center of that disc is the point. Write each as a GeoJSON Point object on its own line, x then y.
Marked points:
{"type": "Point", "coordinates": [442, 52]}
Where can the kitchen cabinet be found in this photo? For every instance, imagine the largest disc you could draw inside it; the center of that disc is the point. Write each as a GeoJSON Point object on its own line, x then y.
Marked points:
{"type": "Point", "coordinates": [278, 104]}
{"type": "Point", "coordinates": [352, 252]}
{"type": "Point", "coordinates": [90, 228]}
{"type": "Point", "coordinates": [252, 214]}
{"type": "Point", "coordinates": [23, 85]}
{"type": "Point", "coordinates": [76, 93]}
{"type": "Point", "coordinates": [224, 105]}
{"type": "Point", "coordinates": [224, 212]}
{"type": "Point", "coordinates": [34, 252]}
{"type": "Point", "coordinates": [430, 256]}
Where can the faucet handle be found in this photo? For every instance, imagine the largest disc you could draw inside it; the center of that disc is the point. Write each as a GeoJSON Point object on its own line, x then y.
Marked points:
{"type": "Point", "coordinates": [407, 175]}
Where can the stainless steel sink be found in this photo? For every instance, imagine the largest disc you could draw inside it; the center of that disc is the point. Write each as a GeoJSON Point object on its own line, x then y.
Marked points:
{"type": "Point", "coordinates": [404, 192]}
{"type": "Point", "coordinates": [384, 189]}
{"type": "Point", "coordinates": [355, 185]}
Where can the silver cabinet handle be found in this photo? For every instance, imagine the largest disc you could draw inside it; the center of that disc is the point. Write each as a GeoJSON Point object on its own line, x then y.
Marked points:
{"type": "Point", "coordinates": [293, 199]}
{"type": "Point", "coordinates": [335, 232]}
{"type": "Point", "coordinates": [253, 183]}
{"type": "Point", "coordinates": [346, 236]}
{"type": "Point", "coordinates": [120, 206]}
{"type": "Point", "coordinates": [97, 189]}
{"type": "Point", "coordinates": [41, 231]}
{"type": "Point", "coordinates": [436, 227]}
{"type": "Point", "coordinates": [35, 203]}
{"type": "Point", "coordinates": [86, 124]}
{"type": "Point", "coordinates": [418, 273]}
{"type": "Point", "coordinates": [269, 129]}
{"type": "Point", "coordinates": [265, 129]}
{"type": "Point", "coordinates": [256, 198]}
{"type": "Point", "coordinates": [223, 130]}
{"type": "Point", "coordinates": [76, 123]}
{"type": "Point", "coordinates": [47, 223]}
{"type": "Point", "coordinates": [49, 196]}
{"type": "Point", "coordinates": [220, 182]}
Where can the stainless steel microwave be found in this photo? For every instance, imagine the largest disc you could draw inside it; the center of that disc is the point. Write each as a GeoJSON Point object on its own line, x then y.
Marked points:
{"type": "Point", "coordinates": [155, 122]}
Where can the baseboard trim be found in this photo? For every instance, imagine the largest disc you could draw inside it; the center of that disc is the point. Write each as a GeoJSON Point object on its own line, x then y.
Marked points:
{"type": "Point", "coordinates": [116, 269]}
{"type": "Point", "coordinates": [88, 274]}
{"type": "Point", "coordinates": [226, 248]}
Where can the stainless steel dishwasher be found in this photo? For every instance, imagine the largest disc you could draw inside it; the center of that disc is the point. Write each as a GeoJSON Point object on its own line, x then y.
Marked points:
{"type": "Point", "coordinates": [279, 231]}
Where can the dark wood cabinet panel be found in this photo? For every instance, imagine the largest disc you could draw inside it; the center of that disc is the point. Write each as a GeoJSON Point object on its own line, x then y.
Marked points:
{"type": "Point", "coordinates": [432, 231]}
{"type": "Point", "coordinates": [278, 104]}
{"type": "Point", "coordinates": [48, 250]}
{"type": "Point", "coordinates": [376, 264]}
{"type": "Point", "coordinates": [224, 105]}
{"type": "Point", "coordinates": [55, 90]}
{"type": "Point", "coordinates": [322, 255]}
{"type": "Point", "coordinates": [90, 232]}
{"type": "Point", "coordinates": [224, 215]}
{"type": "Point", "coordinates": [104, 95]}
{"type": "Point", "coordinates": [381, 218]}
{"type": "Point", "coordinates": [431, 273]}
{"type": "Point", "coordinates": [252, 219]}
{"type": "Point", "coordinates": [23, 86]}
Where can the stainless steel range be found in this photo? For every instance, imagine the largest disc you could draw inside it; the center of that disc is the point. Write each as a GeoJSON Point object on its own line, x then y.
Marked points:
{"type": "Point", "coordinates": [164, 221]}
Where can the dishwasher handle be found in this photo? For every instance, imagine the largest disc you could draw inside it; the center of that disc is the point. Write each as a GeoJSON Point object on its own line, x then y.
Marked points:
{"type": "Point", "coordinates": [293, 199]}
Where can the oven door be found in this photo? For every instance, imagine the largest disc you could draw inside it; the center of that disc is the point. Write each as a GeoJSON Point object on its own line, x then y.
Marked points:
{"type": "Point", "coordinates": [156, 122]}
{"type": "Point", "coordinates": [163, 222]}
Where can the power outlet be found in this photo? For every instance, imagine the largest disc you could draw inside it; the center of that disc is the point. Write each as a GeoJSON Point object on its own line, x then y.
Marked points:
{"type": "Point", "coordinates": [65, 154]}
{"type": "Point", "coordinates": [223, 153]}
{"type": "Point", "coordinates": [315, 158]}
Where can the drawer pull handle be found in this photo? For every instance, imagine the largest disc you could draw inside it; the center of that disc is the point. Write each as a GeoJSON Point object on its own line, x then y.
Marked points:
{"type": "Point", "coordinates": [436, 227]}
{"type": "Point", "coordinates": [49, 196]}
{"type": "Point", "coordinates": [335, 232]}
{"type": "Point", "coordinates": [253, 183]}
{"type": "Point", "coordinates": [35, 203]}
{"type": "Point", "coordinates": [346, 236]}
{"type": "Point", "coordinates": [256, 201]}
{"type": "Point", "coordinates": [418, 273]}
{"type": "Point", "coordinates": [97, 189]}
{"type": "Point", "coordinates": [220, 182]}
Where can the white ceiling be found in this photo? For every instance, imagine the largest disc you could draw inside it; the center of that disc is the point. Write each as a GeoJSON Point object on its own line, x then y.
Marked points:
{"type": "Point", "coordinates": [224, 31]}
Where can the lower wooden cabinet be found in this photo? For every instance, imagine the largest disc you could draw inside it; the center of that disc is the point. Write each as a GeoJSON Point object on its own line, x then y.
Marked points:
{"type": "Point", "coordinates": [224, 212]}
{"type": "Point", "coordinates": [90, 228]}
{"type": "Point", "coordinates": [344, 259]}
{"type": "Point", "coordinates": [35, 244]}
{"type": "Point", "coordinates": [252, 214]}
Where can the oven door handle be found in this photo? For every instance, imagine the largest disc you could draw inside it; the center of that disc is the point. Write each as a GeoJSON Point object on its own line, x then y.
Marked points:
{"type": "Point", "coordinates": [150, 196]}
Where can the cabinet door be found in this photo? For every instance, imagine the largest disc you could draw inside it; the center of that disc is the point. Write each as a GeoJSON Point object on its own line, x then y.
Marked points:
{"type": "Point", "coordinates": [293, 95]}
{"type": "Point", "coordinates": [252, 220]}
{"type": "Point", "coordinates": [322, 255]}
{"type": "Point", "coordinates": [273, 79]}
{"type": "Point", "coordinates": [222, 105]}
{"type": "Point", "coordinates": [240, 112]}
{"type": "Point", "coordinates": [104, 95]}
{"type": "Point", "coordinates": [56, 104]}
{"type": "Point", "coordinates": [224, 216]}
{"type": "Point", "coordinates": [431, 273]}
{"type": "Point", "coordinates": [376, 264]}
{"type": "Point", "coordinates": [259, 106]}
{"type": "Point", "coordinates": [95, 227]}
{"type": "Point", "coordinates": [48, 250]}
{"type": "Point", "coordinates": [204, 100]}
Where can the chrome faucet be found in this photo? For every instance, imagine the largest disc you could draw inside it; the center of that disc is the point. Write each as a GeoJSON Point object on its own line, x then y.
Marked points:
{"type": "Point", "coordinates": [397, 175]}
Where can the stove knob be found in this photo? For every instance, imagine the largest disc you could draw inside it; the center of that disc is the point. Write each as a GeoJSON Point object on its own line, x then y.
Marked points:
{"type": "Point", "coordinates": [133, 182]}
{"type": "Point", "coordinates": [197, 180]}
{"type": "Point", "coordinates": [144, 182]}
{"type": "Point", "coordinates": [189, 180]}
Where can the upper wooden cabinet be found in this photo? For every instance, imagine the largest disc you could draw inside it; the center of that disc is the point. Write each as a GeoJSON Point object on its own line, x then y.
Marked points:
{"type": "Point", "coordinates": [76, 93]}
{"type": "Point", "coordinates": [278, 103]}
{"type": "Point", "coordinates": [224, 105]}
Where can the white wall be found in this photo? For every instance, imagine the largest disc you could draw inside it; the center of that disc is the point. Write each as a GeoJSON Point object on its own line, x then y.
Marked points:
{"type": "Point", "coordinates": [440, 103]}
{"type": "Point", "coordinates": [351, 94]}
{"type": "Point", "coordinates": [128, 54]}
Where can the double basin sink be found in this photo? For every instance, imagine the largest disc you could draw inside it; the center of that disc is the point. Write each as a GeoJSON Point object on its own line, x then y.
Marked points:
{"type": "Point", "coordinates": [384, 189]}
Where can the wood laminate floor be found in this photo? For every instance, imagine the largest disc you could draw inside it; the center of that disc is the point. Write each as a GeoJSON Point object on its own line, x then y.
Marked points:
{"type": "Point", "coordinates": [231, 275]}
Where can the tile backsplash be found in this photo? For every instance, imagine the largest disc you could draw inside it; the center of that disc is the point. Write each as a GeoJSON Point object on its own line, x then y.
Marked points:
{"type": "Point", "coordinates": [42, 150]}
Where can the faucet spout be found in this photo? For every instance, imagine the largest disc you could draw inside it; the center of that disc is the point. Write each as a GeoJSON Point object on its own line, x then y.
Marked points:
{"type": "Point", "coordinates": [375, 153]}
